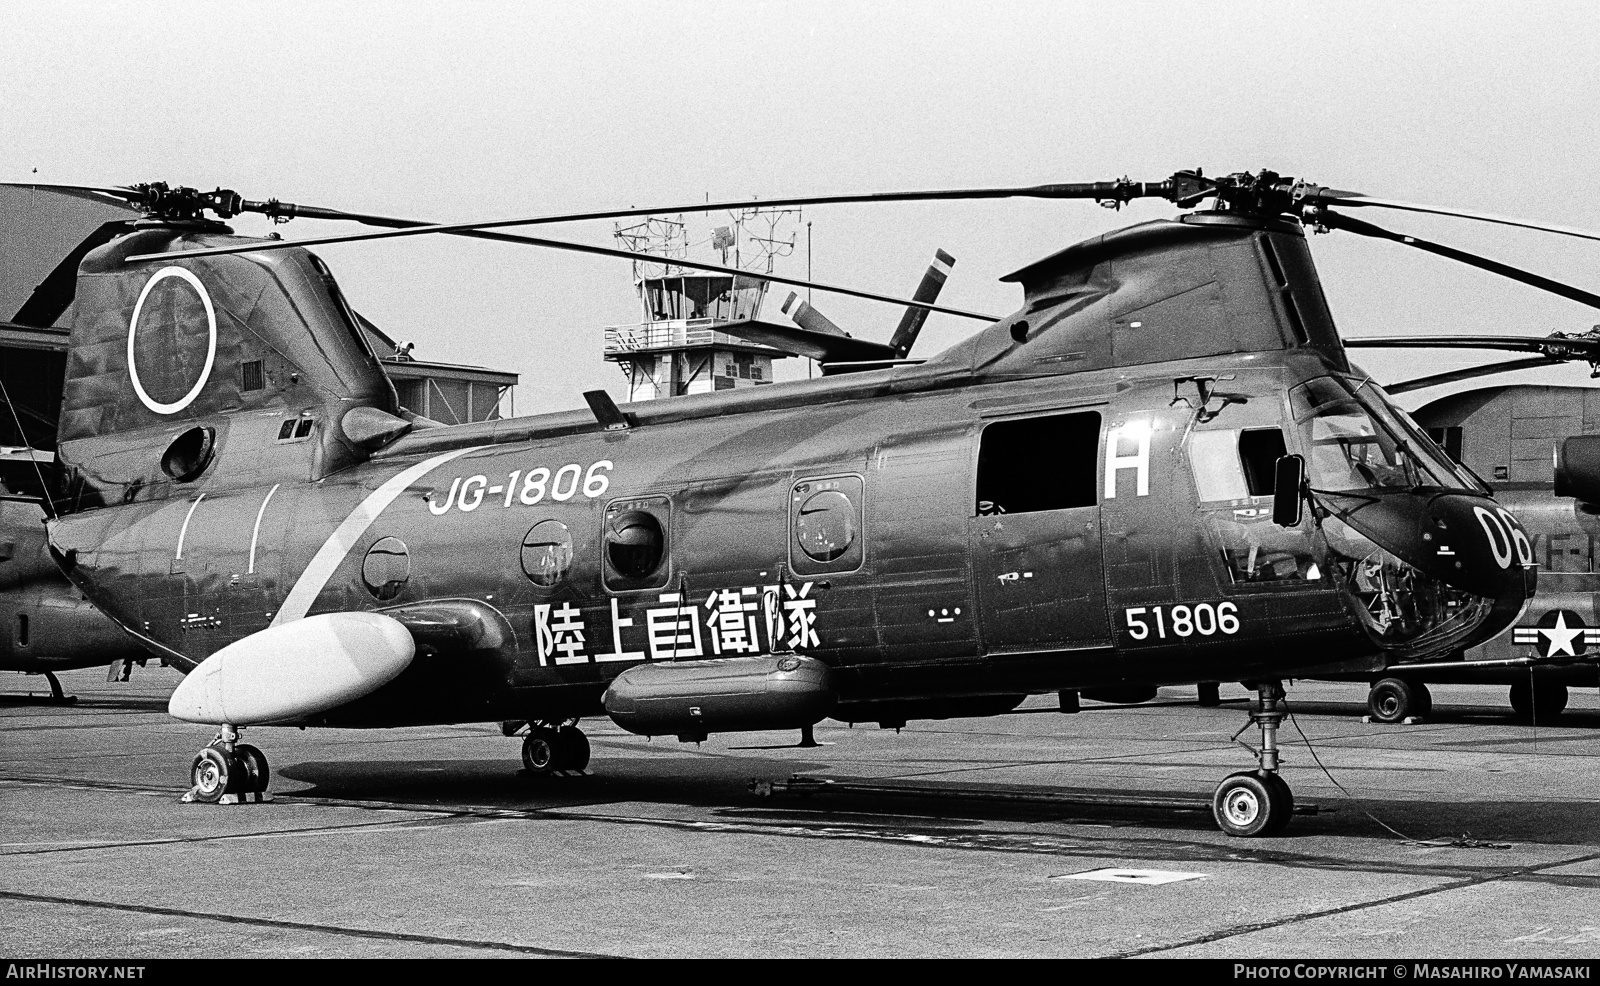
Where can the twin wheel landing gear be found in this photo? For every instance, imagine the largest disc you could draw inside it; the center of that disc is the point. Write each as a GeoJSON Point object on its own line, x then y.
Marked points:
{"type": "Point", "coordinates": [229, 772]}
{"type": "Point", "coordinates": [551, 749]}
{"type": "Point", "coordinates": [1257, 802]}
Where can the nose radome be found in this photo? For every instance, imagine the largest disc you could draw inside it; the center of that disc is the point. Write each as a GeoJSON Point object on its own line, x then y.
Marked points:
{"type": "Point", "coordinates": [1464, 540]}
{"type": "Point", "coordinates": [1488, 551]}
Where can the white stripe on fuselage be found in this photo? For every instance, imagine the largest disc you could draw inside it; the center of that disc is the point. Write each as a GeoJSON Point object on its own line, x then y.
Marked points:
{"type": "Point", "coordinates": [255, 533]}
{"type": "Point", "coordinates": [333, 551]}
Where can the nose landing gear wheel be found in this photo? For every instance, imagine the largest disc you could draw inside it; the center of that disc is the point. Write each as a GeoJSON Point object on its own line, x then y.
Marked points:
{"type": "Point", "coordinates": [1250, 804]}
{"type": "Point", "coordinates": [1258, 802]}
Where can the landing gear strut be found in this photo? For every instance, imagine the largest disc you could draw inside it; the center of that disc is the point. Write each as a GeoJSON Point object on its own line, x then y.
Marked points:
{"type": "Point", "coordinates": [229, 772]}
{"type": "Point", "coordinates": [1257, 802]}
{"type": "Point", "coordinates": [550, 748]}
{"type": "Point", "coordinates": [57, 696]}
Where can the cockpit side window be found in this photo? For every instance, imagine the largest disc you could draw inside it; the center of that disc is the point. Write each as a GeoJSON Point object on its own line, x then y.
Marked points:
{"type": "Point", "coordinates": [1259, 452]}
{"type": "Point", "coordinates": [1036, 464]}
{"type": "Point", "coordinates": [1235, 472]}
{"type": "Point", "coordinates": [1235, 465]}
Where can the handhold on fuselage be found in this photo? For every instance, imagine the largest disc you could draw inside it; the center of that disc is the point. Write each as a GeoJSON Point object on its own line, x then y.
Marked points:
{"type": "Point", "coordinates": [294, 670]}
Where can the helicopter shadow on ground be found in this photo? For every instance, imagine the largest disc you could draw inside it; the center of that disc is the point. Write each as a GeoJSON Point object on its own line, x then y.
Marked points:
{"type": "Point", "coordinates": [702, 782]}
{"type": "Point", "coordinates": [723, 786]}
{"type": "Point", "coordinates": [86, 703]}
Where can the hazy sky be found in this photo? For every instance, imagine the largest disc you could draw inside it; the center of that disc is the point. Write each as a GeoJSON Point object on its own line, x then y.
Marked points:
{"type": "Point", "coordinates": [476, 110]}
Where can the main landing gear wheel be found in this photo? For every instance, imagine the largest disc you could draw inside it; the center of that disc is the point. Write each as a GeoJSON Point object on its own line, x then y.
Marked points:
{"type": "Point", "coordinates": [1542, 701]}
{"type": "Point", "coordinates": [211, 775]}
{"type": "Point", "coordinates": [1257, 802]}
{"type": "Point", "coordinates": [541, 750]}
{"type": "Point", "coordinates": [546, 750]}
{"type": "Point", "coordinates": [1250, 804]}
{"type": "Point", "coordinates": [1397, 699]}
{"type": "Point", "coordinates": [574, 748]}
{"type": "Point", "coordinates": [257, 775]}
{"type": "Point", "coordinates": [228, 772]}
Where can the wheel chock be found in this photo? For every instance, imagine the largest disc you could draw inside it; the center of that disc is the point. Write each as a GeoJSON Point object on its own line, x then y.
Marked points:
{"type": "Point", "coordinates": [249, 797]}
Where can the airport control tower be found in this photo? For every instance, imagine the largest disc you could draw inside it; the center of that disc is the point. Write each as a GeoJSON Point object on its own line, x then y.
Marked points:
{"type": "Point", "coordinates": [674, 350]}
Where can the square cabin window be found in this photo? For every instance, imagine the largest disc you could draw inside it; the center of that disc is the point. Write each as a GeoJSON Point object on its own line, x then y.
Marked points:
{"type": "Point", "coordinates": [1035, 464]}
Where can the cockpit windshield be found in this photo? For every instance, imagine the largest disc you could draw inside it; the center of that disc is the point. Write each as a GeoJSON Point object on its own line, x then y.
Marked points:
{"type": "Point", "coordinates": [1355, 441]}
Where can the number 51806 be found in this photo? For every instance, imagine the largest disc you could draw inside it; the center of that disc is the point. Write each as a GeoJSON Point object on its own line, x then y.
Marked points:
{"type": "Point", "coordinates": [1201, 619]}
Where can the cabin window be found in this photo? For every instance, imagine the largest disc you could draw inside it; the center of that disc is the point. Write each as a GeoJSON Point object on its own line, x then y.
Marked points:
{"type": "Point", "coordinates": [189, 454]}
{"type": "Point", "coordinates": [636, 546]}
{"type": "Point", "coordinates": [825, 525]}
{"type": "Point", "coordinates": [296, 429]}
{"type": "Point", "coordinates": [22, 630]}
{"type": "Point", "coordinates": [547, 553]}
{"type": "Point", "coordinates": [387, 568]}
{"type": "Point", "coordinates": [1035, 464]}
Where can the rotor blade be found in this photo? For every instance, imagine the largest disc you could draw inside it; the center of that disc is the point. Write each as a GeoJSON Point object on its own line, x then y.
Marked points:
{"type": "Point", "coordinates": [125, 195]}
{"type": "Point", "coordinates": [1111, 191]}
{"type": "Point", "coordinates": [824, 347]}
{"type": "Point", "coordinates": [625, 255]}
{"type": "Point", "coordinates": [1469, 373]}
{"type": "Point", "coordinates": [1345, 198]}
{"type": "Point", "coordinates": [1337, 221]}
{"type": "Point", "coordinates": [1556, 347]}
{"type": "Point", "coordinates": [905, 334]}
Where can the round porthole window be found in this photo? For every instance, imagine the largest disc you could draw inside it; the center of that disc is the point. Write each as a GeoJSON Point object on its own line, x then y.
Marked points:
{"type": "Point", "coordinates": [825, 525]}
{"type": "Point", "coordinates": [387, 568]}
{"type": "Point", "coordinates": [547, 552]}
{"type": "Point", "coordinates": [189, 454]}
{"type": "Point", "coordinates": [634, 544]}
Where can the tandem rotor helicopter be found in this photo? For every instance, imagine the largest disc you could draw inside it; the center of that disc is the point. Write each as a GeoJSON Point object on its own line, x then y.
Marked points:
{"type": "Point", "coordinates": [1161, 468]}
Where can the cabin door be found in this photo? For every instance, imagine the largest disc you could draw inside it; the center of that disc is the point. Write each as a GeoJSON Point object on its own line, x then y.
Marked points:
{"type": "Point", "coordinates": [1035, 535]}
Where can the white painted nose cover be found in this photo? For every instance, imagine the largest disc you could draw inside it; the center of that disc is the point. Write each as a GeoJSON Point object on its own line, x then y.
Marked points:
{"type": "Point", "coordinates": [295, 669]}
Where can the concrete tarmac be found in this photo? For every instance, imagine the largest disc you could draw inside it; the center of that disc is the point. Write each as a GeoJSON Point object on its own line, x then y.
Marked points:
{"type": "Point", "coordinates": [1468, 836]}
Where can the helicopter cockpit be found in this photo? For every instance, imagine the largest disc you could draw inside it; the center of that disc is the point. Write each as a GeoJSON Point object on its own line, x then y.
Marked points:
{"type": "Point", "coordinates": [1392, 518]}
{"type": "Point", "coordinates": [1379, 486]}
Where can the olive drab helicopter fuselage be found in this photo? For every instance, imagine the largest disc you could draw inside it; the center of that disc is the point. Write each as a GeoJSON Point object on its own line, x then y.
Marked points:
{"type": "Point", "coordinates": [1160, 469]}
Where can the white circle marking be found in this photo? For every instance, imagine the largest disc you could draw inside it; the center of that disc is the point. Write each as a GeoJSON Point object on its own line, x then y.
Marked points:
{"type": "Point", "coordinates": [211, 342]}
